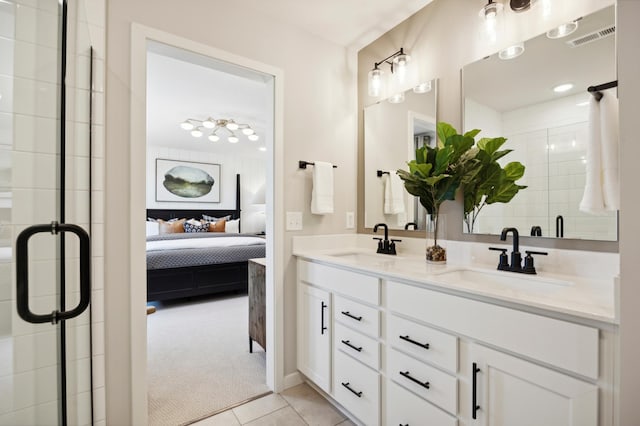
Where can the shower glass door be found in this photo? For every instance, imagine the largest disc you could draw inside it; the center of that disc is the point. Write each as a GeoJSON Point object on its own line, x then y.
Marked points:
{"type": "Point", "coordinates": [45, 348]}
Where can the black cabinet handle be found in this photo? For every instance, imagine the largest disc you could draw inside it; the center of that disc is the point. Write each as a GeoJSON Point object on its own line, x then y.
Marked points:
{"type": "Point", "coordinates": [346, 342]}
{"type": "Point", "coordinates": [408, 339]}
{"type": "Point", "coordinates": [323, 306]}
{"type": "Point", "coordinates": [22, 273]}
{"type": "Point", "coordinates": [474, 393]}
{"type": "Point", "coordinates": [346, 385]}
{"type": "Point", "coordinates": [413, 379]}
{"type": "Point", "coordinates": [350, 315]}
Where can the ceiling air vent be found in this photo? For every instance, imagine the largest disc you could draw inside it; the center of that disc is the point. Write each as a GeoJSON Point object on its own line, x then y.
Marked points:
{"type": "Point", "coordinates": [593, 36]}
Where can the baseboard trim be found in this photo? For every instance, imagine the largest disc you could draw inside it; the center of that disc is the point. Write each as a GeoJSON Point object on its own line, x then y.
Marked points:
{"type": "Point", "coordinates": [293, 379]}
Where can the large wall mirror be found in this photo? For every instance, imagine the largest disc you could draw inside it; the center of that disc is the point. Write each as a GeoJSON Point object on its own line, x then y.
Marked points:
{"type": "Point", "coordinates": [547, 129]}
{"type": "Point", "coordinates": [392, 132]}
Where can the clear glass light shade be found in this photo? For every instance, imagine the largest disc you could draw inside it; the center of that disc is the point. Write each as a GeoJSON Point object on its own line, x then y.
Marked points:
{"type": "Point", "coordinates": [248, 131]}
{"type": "Point", "coordinates": [422, 87]}
{"type": "Point", "coordinates": [563, 30]}
{"type": "Point", "coordinates": [511, 51]}
{"type": "Point", "coordinates": [397, 98]}
{"type": "Point", "coordinates": [233, 139]}
{"type": "Point", "coordinates": [253, 137]}
{"type": "Point", "coordinates": [232, 125]}
{"type": "Point", "coordinates": [402, 60]}
{"type": "Point", "coordinates": [375, 82]}
{"type": "Point", "coordinates": [186, 125]}
{"type": "Point", "coordinates": [209, 124]}
{"type": "Point", "coordinates": [490, 10]}
{"type": "Point", "coordinates": [196, 133]}
{"type": "Point", "coordinates": [214, 138]}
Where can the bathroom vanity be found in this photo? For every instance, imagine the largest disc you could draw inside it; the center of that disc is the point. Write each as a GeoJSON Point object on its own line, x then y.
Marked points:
{"type": "Point", "coordinates": [393, 340]}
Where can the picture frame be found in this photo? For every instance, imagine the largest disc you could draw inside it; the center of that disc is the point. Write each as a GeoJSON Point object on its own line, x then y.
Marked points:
{"type": "Point", "coordinates": [187, 181]}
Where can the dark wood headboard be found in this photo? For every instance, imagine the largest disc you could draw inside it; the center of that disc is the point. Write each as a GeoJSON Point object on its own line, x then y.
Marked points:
{"type": "Point", "coordinates": [167, 214]}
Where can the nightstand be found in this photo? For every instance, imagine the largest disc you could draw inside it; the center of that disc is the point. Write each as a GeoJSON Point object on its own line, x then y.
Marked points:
{"type": "Point", "coordinates": [257, 297]}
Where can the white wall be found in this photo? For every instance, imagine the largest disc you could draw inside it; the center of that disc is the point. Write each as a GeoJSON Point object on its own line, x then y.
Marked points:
{"type": "Point", "coordinates": [319, 124]}
{"type": "Point", "coordinates": [252, 170]}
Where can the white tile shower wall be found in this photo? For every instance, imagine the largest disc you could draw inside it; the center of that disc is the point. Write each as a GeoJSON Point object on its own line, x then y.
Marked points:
{"type": "Point", "coordinates": [28, 80]}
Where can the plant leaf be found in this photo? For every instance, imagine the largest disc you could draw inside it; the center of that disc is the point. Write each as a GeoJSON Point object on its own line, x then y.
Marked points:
{"type": "Point", "coordinates": [472, 133]}
{"type": "Point", "coordinates": [445, 130]}
{"type": "Point", "coordinates": [514, 171]}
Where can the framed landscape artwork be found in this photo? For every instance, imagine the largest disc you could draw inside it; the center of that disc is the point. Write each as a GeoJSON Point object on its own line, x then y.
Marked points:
{"type": "Point", "coordinates": [187, 181]}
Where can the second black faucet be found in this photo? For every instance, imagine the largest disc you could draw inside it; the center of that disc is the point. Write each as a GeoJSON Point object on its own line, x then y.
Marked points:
{"type": "Point", "coordinates": [385, 246]}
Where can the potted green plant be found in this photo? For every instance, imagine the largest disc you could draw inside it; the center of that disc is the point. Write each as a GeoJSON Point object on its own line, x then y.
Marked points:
{"type": "Point", "coordinates": [434, 177]}
{"type": "Point", "coordinates": [486, 181]}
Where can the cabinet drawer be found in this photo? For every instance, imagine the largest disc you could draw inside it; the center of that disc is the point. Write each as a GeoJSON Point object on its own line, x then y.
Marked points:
{"type": "Point", "coordinates": [405, 408]}
{"type": "Point", "coordinates": [423, 342]}
{"type": "Point", "coordinates": [357, 388]}
{"type": "Point", "coordinates": [357, 316]}
{"type": "Point", "coordinates": [363, 348]}
{"type": "Point", "coordinates": [353, 284]}
{"type": "Point", "coordinates": [428, 382]}
{"type": "Point", "coordinates": [570, 346]}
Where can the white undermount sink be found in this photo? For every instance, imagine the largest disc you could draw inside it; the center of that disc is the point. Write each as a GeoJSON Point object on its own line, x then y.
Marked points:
{"type": "Point", "coordinates": [501, 277]}
{"type": "Point", "coordinates": [366, 258]}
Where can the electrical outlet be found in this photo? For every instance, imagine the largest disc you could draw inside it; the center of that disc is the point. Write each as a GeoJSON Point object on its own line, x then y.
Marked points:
{"type": "Point", "coordinates": [294, 221]}
{"type": "Point", "coordinates": [351, 220]}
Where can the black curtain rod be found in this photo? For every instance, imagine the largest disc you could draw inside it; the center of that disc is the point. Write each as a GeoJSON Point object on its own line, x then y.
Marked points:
{"type": "Point", "coordinates": [595, 90]}
{"type": "Point", "coordinates": [304, 164]}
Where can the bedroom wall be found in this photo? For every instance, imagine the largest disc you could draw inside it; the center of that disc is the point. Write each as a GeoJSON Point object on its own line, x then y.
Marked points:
{"type": "Point", "coordinates": [252, 176]}
{"type": "Point", "coordinates": [319, 124]}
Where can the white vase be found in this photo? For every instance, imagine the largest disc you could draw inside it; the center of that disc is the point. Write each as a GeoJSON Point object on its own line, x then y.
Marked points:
{"type": "Point", "coordinates": [436, 251]}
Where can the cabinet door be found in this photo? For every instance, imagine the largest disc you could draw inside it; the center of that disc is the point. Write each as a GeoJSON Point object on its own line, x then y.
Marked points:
{"type": "Point", "coordinates": [512, 391]}
{"type": "Point", "coordinates": [314, 335]}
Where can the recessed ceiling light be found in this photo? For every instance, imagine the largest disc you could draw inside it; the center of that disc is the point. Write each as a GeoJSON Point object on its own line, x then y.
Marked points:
{"type": "Point", "coordinates": [563, 30]}
{"type": "Point", "coordinates": [512, 51]}
{"type": "Point", "coordinates": [563, 87]}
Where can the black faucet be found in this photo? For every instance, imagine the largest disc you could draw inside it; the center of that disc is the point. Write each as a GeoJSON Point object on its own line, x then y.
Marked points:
{"type": "Point", "coordinates": [516, 257]}
{"type": "Point", "coordinates": [408, 224]}
{"type": "Point", "coordinates": [385, 246]}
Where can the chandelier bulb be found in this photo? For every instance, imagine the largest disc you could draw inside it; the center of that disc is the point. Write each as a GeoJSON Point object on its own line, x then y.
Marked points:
{"type": "Point", "coordinates": [196, 133]}
{"type": "Point", "coordinates": [232, 125]}
{"type": "Point", "coordinates": [187, 125]}
{"type": "Point", "coordinates": [233, 139]}
{"type": "Point", "coordinates": [253, 137]}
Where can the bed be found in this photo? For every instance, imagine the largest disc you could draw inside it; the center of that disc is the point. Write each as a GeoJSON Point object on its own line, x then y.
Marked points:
{"type": "Point", "coordinates": [195, 264]}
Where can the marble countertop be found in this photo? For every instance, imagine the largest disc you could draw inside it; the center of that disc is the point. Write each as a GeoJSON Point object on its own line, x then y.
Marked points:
{"type": "Point", "coordinates": [576, 296]}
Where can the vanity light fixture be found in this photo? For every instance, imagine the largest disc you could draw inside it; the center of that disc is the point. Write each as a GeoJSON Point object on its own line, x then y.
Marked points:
{"type": "Point", "coordinates": [398, 62]}
{"type": "Point", "coordinates": [422, 88]}
{"type": "Point", "coordinates": [521, 5]}
{"type": "Point", "coordinates": [563, 30]}
{"type": "Point", "coordinates": [490, 11]}
{"type": "Point", "coordinates": [563, 87]}
{"type": "Point", "coordinates": [229, 125]}
{"type": "Point", "coordinates": [511, 51]}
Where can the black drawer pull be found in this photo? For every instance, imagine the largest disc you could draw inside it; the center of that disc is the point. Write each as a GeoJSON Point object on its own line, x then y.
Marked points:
{"type": "Point", "coordinates": [474, 395]}
{"type": "Point", "coordinates": [358, 394]}
{"type": "Point", "coordinates": [347, 342]}
{"type": "Point", "coordinates": [413, 379]}
{"type": "Point", "coordinates": [422, 345]}
{"type": "Point", "coordinates": [323, 306]}
{"type": "Point", "coordinates": [347, 313]}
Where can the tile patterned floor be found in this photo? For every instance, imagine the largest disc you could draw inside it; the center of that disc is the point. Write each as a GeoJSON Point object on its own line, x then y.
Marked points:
{"type": "Point", "coordinates": [300, 405]}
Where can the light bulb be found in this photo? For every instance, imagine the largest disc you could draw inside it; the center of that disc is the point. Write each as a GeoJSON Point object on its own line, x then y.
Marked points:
{"type": "Point", "coordinates": [563, 30]}
{"type": "Point", "coordinates": [375, 82]}
{"type": "Point", "coordinates": [186, 125]}
{"type": "Point", "coordinates": [209, 123]}
{"type": "Point", "coordinates": [422, 87]}
{"type": "Point", "coordinates": [233, 139]}
{"type": "Point", "coordinates": [232, 125]}
{"type": "Point", "coordinates": [253, 137]}
{"type": "Point", "coordinates": [247, 131]}
{"type": "Point", "coordinates": [397, 98]}
{"type": "Point", "coordinates": [196, 133]}
{"type": "Point", "coordinates": [512, 51]}
{"type": "Point", "coordinates": [214, 138]}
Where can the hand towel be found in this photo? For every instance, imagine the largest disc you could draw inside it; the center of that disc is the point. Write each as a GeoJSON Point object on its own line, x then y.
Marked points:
{"type": "Point", "coordinates": [393, 194]}
{"type": "Point", "coordinates": [609, 146]}
{"type": "Point", "coordinates": [602, 188]}
{"type": "Point", "coordinates": [322, 193]}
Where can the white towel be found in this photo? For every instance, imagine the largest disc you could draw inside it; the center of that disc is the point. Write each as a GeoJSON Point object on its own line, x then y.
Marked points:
{"type": "Point", "coordinates": [601, 192]}
{"type": "Point", "coordinates": [393, 194]}
{"type": "Point", "coordinates": [322, 194]}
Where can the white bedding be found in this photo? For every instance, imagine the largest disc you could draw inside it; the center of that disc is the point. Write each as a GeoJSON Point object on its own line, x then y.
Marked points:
{"type": "Point", "coordinates": [190, 243]}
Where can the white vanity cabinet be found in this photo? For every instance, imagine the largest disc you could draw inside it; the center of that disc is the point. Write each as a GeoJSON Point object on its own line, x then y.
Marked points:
{"type": "Point", "coordinates": [314, 335]}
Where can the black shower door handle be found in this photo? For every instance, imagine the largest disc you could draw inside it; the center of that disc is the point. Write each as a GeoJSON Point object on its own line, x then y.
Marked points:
{"type": "Point", "coordinates": [22, 272]}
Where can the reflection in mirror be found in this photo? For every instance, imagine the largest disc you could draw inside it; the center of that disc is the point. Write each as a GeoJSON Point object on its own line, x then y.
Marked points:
{"type": "Point", "coordinates": [392, 132]}
{"type": "Point", "coordinates": [547, 129]}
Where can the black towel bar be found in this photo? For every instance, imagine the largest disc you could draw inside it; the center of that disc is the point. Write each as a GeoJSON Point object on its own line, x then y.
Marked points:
{"type": "Point", "coordinates": [304, 164]}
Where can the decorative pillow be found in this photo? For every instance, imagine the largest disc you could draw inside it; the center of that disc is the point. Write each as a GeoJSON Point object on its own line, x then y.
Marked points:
{"type": "Point", "coordinates": [153, 228]}
{"type": "Point", "coordinates": [171, 227]}
{"type": "Point", "coordinates": [232, 226]}
{"type": "Point", "coordinates": [189, 226]}
{"type": "Point", "coordinates": [217, 226]}
{"type": "Point", "coordinates": [215, 219]}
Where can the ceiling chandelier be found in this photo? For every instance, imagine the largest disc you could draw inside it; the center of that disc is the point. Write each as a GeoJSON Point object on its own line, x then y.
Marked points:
{"type": "Point", "coordinates": [213, 126]}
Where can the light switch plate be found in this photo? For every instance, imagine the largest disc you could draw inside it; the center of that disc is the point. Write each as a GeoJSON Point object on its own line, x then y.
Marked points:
{"type": "Point", "coordinates": [294, 221]}
{"type": "Point", "coordinates": [351, 220]}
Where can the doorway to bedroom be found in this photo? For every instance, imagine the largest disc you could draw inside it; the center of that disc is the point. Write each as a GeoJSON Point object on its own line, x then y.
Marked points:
{"type": "Point", "coordinates": [208, 127]}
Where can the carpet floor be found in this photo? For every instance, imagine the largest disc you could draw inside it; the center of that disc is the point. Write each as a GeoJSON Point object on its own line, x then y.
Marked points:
{"type": "Point", "coordinates": [198, 359]}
